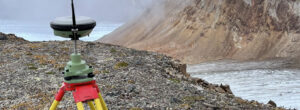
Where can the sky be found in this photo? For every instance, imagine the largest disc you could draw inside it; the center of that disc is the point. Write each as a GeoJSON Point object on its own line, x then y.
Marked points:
{"type": "Point", "coordinates": [104, 10]}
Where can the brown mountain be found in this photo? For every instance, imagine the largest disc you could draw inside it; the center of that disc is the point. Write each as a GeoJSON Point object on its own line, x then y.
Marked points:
{"type": "Point", "coordinates": [195, 31]}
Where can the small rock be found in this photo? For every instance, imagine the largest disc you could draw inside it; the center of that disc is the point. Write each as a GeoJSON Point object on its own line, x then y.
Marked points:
{"type": "Point", "coordinates": [240, 100]}
{"type": "Point", "coordinates": [131, 88]}
{"type": "Point", "coordinates": [220, 90]}
{"type": "Point", "coordinates": [170, 71]}
{"type": "Point", "coordinates": [254, 103]}
{"type": "Point", "coordinates": [208, 105]}
{"type": "Point", "coordinates": [175, 100]}
{"type": "Point", "coordinates": [37, 79]}
{"type": "Point", "coordinates": [135, 108]}
{"type": "Point", "coordinates": [114, 93]}
{"type": "Point", "coordinates": [272, 103]}
{"type": "Point", "coordinates": [138, 61]}
{"type": "Point", "coordinates": [185, 106]}
{"type": "Point", "coordinates": [201, 82]}
{"type": "Point", "coordinates": [226, 88]}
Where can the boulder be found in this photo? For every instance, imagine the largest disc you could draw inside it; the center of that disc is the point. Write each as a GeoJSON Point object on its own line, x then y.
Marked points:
{"type": "Point", "coordinates": [272, 103]}
{"type": "Point", "coordinates": [226, 88]}
{"type": "Point", "coordinates": [181, 67]}
{"type": "Point", "coordinates": [3, 37]}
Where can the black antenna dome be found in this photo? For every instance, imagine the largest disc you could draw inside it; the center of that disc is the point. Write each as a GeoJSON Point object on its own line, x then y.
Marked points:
{"type": "Point", "coordinates": [73, 27]}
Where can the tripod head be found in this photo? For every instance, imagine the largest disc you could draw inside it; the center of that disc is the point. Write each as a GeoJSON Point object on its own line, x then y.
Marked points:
{"type": "Point", "coordinates": [76, 70]}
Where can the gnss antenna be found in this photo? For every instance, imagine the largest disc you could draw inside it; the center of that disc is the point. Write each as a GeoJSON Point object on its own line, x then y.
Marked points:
{"type": "Point", "coordinates": [78, 76]}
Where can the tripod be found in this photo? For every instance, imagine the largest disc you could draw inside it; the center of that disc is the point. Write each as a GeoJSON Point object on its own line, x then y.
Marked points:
{"type": "Point", "coordinates": [78, 77]}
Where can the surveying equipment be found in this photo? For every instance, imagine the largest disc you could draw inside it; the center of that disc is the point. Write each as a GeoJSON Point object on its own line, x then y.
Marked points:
{"type": "Point", "coordinates": [78, 76]}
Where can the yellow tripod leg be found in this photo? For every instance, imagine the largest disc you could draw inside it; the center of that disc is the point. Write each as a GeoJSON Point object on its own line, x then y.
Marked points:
{"type": "Point", "coordinates": [91, 105]}
{"type": "Point", "coordinates": [102, 102]}
{"type": "Point", "coordinates": [98, 104]}
{"type": "Point", "coordinates": [80, 106]}
{"type": "Point", "coordinates": [54, 105]}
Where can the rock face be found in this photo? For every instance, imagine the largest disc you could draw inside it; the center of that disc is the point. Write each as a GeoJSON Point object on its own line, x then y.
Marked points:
{"type": "Point", "coordinates": [195, 31]}
{"type": "Point", "coordinates": [129, 79]}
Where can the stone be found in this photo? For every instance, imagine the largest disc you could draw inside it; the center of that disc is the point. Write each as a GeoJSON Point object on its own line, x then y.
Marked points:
{"type": "Point", "coordinates": [220, 90]}
{"type": "Point", "coordinates": [226, 88]}
{"type": "Point", "coordinates": [272, 103]}
{"type": "Point", "coordinates": [3, 37]}
{"type": "Point", "coordinates": [201, 82]}
{"type": "Point", "coordinates": [181, 67]}
{"type": "Point", "coordinates": [185, 106]}
{"type": "Point", "coordinates": [175, 100]}
{"type": "Point", "coordinates": [254, 103]}
{"type": "Point", "coordinates": [131, 88]}
{"type": "Point", "coordinates": [114, 93]}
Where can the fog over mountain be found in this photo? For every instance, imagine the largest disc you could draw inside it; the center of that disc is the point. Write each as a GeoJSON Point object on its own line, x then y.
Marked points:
{"type": "Point", "coordinates": [197, 31]}
{"type": "Point", "coordinates": [105, 10]}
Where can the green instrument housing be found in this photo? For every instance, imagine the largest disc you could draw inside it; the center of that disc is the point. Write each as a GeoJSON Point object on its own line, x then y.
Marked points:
{"type": "Point", "coordinates": [77, 71]}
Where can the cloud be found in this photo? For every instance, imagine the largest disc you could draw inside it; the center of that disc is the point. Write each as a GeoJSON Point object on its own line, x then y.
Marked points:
{"type": "Point", "coordinates": [107, 10]}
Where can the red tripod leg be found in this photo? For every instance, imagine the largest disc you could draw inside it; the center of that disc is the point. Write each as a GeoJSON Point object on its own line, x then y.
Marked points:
{"type": "Point", "coordinates": [58, 97]}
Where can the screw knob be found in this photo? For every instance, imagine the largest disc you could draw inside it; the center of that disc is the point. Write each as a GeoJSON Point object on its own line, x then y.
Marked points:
{"type": "Point", "coordinates": [67, 78]}
{"type": "Point", "coordinates": [90, 75]}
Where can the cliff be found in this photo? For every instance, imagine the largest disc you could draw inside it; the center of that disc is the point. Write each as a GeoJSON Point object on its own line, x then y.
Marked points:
{"type": "Point", "coordinates": [195, 31]}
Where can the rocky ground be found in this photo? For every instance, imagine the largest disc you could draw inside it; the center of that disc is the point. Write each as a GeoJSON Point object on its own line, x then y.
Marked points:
{"type": "Point", "coordinates": [30, 75]}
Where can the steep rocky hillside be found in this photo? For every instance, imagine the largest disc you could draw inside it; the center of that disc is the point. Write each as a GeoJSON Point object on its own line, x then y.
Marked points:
{"type": "Point", "coordinates": [30, 75]}
{"type": "Point", "coordinates": [195, 31]}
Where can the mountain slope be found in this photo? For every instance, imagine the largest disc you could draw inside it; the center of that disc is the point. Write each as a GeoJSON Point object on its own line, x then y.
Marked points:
{"type": "Point", "coordinates": [195, 31]}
